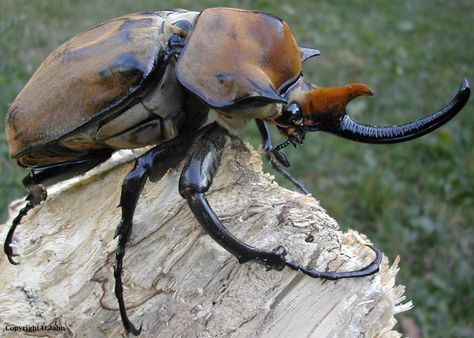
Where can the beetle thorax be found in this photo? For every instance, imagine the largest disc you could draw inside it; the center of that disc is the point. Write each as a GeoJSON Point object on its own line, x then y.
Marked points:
{"type": "Point", "coordinates": [235, 120]}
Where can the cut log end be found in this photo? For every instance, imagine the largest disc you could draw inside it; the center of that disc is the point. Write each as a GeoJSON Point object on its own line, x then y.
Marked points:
{"type": "Point", "coordinates": [178, 281]}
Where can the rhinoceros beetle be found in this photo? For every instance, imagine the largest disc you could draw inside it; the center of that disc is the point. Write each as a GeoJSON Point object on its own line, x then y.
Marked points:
{"type": "Point", "coordinates": [152, 79]}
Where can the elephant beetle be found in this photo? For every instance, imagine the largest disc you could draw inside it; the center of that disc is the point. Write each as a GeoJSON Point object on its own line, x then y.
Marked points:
{"type": "Point", "coordinates": [152, 79]}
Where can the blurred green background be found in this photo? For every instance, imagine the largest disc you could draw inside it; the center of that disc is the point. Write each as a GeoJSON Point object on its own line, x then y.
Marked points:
{"type": "Point", "coordinates": [414, 199]}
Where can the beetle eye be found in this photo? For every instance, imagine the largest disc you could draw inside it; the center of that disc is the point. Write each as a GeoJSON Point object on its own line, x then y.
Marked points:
{"type": "Point", "coordinates": [294, 114]}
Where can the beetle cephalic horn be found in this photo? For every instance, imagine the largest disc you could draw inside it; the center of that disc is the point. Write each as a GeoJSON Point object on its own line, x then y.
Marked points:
{"type": "Point", "coordinates": [328, 114]}
{"type": "Point", "coordinates": [324, 106]}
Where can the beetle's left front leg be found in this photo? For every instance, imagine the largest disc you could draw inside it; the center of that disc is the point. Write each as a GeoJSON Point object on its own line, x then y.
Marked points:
{"type": "Point", "coordinates": [196, 180]}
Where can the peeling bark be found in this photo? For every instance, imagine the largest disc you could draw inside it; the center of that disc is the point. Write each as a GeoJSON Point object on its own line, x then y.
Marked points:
{"type": "Point", "coordinates": [178, 281]}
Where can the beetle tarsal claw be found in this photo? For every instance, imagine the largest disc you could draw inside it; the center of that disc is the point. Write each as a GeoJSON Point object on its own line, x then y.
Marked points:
{"type": "Point", "coordinates": [332, 275]}
{"type": "Point", "coordinates": [133, 330]}
{"type": "Point", "coordinates": [7, 246]}
{"type": "Point", "coordinates": [10, 254]}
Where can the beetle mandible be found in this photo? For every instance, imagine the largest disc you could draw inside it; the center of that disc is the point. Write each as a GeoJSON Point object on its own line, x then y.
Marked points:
{"type": "Point", "coordinates": [146, 79]}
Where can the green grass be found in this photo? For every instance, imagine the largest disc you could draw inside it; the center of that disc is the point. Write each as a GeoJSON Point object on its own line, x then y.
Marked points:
{"type": "Point", "coordinates": [414, 199]}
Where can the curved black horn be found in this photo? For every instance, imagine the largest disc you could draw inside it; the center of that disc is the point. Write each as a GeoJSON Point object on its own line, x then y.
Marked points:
{"type": "Point", "coordinates": [359, 132]}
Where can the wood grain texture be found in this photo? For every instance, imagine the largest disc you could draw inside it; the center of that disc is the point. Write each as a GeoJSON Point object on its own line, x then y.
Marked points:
{"type": "Point", "coordinates": [178, 281]}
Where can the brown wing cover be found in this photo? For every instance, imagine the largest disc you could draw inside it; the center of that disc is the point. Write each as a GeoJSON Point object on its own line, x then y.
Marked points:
{"type": "Point", "coordinates": [233, 55]}
{"type": "Point", "coordinates": [87, 75]}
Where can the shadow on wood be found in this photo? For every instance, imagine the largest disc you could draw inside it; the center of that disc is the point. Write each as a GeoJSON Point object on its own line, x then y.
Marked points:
{"type": "Point", "coordinates": [178, 281]}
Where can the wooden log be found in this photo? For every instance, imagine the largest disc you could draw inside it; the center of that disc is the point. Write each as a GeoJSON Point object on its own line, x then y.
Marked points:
{"type": "Point", "coordinates": [178, 281]}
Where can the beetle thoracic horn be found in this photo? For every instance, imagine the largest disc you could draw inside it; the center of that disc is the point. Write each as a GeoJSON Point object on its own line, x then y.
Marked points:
{"type": "Point", "coordinates": [345, 127]}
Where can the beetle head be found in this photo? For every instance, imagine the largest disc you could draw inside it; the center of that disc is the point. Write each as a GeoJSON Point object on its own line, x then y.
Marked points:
{"type": "Point", "coordinates": [312, 108]}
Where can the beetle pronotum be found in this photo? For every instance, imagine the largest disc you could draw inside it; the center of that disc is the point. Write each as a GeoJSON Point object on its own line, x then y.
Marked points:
{"type": "Point", "coordinates": [145, 79]}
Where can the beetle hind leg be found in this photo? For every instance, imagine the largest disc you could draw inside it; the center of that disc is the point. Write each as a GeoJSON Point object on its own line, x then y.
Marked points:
{"type": "Point", "coordinates": [152, 165]}
{"type": "Point", "coordinates": [36, 196]}
{"type": "Point", "coordinates": [46, 175]}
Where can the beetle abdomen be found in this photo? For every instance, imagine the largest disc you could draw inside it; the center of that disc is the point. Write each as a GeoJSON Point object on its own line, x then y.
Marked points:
{"type": "Point", "coordinates": [157, 117]}
{"type": "Point", "coordinates": [89, 79]}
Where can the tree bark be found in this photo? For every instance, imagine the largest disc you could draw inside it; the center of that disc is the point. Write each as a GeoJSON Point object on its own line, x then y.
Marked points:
{"type": "Point", "coordinates": [178, 281]}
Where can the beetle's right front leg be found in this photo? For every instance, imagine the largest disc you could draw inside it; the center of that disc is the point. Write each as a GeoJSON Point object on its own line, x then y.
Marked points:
{"type": "Point", "coordinates": [196, 180]}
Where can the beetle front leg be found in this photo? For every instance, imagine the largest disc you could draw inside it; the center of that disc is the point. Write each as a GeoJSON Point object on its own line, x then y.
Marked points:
{"type": "Point", "coordinates": [153, 165]}
{"type": "Point", "coordinates": [274, 155]}
{"type": "Point", "coordinates": [196, 179]}
{"type": "Point", "coordinates": [367, 270]}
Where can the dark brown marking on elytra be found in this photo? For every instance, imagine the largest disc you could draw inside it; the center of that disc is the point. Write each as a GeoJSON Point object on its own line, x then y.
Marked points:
{"type": "Point", "coordinates": [130, 24]}
{"type": "Point", "coordinates": [126, 66]}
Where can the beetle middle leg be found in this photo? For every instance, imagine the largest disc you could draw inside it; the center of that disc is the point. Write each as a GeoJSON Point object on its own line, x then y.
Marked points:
{"type": "Point", "coordinates": [41, 176]}
{"type": "Point", "coordinates": [196, 180]}
{"type": "Point", "coordinates": [274, 155]}
{"type": "Point", "coordinates": [152, 165]}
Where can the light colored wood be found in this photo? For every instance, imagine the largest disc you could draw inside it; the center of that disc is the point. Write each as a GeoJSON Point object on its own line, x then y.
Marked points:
{"type": "Point", "coordinates": [178, 281]}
